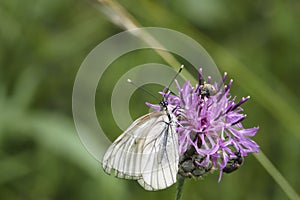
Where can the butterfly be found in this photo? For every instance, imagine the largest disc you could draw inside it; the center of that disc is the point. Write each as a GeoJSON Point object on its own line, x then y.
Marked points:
{"type": "Point", "coordinates": [147, 151]}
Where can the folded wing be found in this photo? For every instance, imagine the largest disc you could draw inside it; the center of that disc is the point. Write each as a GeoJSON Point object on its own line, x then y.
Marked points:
{"type": "Point", "coordinates": [147, 151]}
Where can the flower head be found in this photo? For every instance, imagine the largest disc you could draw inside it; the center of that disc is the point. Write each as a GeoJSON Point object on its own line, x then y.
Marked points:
{"type": "Point", "coordinates": [210, 132]}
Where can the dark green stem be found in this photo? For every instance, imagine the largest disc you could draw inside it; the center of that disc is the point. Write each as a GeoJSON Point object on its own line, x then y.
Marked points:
{"type": "Point", "coordinates": [179, 187]}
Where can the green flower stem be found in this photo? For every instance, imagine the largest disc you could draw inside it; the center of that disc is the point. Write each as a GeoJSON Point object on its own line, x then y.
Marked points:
{"type": "Point", "coordinates": [179, 187]}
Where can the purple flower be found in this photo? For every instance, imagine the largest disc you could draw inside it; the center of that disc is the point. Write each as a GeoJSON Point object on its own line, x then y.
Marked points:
{"type": "Point", "coordinates": [211, 135]}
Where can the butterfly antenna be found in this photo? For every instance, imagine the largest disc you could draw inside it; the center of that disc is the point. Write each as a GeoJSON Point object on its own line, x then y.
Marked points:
{"type": "Point", "coordinates": [141, 88]}
{"type": "Point", "coordinates": [168, 88]}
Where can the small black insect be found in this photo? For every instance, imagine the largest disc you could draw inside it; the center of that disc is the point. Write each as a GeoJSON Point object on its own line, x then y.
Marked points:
{"type": "Point", "coordinates": [234, 163]}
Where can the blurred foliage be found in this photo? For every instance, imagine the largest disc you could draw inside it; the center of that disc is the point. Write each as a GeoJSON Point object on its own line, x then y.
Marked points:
{"type": "Point", "coordinates": [42, 44]}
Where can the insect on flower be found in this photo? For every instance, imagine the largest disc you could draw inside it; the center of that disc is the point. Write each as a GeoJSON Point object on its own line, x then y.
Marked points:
{"type": "Point", "coordinates": [210, 131]}
{"type": "Point", "coordinates": [147, 151]}
{"type": "Point", "coordinates": [234, 163]}
{"type": "Point", "coordinates": [207, 90]}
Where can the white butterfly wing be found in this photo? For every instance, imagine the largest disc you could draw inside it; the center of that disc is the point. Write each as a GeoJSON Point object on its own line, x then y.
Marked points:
{"type": "Point", "coordinates": [147, 151]}
{"type": "Point", "coordinates": [160, 160]}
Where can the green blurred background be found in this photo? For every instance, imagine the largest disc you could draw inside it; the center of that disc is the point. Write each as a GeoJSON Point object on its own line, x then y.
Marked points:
{"type": "Point", "coordinates": [42, 44]}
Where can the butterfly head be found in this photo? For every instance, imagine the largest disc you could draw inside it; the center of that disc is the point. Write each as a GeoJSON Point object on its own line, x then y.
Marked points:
{"type": "Point", "coordinates": [163, 105]}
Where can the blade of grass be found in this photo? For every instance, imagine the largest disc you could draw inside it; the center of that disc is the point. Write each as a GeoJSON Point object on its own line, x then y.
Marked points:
{"type": "Point", "coordinates": [277, 176]}
{"type": "Point", "coordinates": [119, 16]}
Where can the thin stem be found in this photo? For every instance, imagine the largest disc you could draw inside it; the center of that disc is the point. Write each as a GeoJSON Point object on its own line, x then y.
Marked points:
{"type": "Point", "coordinates": [277, 176]}
{"type": "Point", "coordinates": [119, 16]}
{"type": "Point", "coordinates": [179, 187]}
